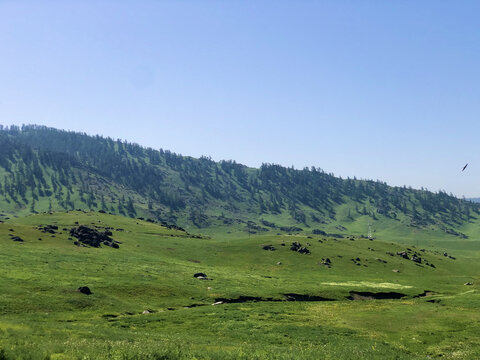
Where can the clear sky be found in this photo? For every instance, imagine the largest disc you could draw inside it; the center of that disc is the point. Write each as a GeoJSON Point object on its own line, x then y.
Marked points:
{"type": "Point", "coordinates": [385, 90]}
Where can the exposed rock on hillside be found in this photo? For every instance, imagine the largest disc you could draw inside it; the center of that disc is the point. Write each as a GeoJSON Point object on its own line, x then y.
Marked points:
{"type": "Point", "coordinates": [94, 238]}
{"type": "Point", "coordinates": [296, 246]}
{"type": "Point", "coordinates": [84, 290]}
{"type": "Point", "coordinates": [170, 226]}
{"type": "Point", "coordinates": [200, 275]}
{"type": "Point", "coordinates": [51, 229]}
{"type": "Point", "coordinates": [17, 238]}
{"type": "Point", "coordinates": [449, 256]}
{"type": "Point", "coordinates": [414, 256]}
{"type": "Point", "coordinates": [326, 262]}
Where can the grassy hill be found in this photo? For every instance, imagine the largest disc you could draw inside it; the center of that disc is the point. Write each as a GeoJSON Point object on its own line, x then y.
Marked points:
{"type": "Point", "coordinates": [44, 169]}
{"type": "Point", "coordinates": [290, 271]}
{"type": "Point", "coordinates": [147, 304]}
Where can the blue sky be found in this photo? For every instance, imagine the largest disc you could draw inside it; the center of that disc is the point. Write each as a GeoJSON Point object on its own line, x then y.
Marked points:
{"type": "Point", "coordinates": [383, 90]}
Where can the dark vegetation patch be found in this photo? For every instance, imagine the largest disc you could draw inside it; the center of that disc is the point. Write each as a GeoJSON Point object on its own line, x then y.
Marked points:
{"type": "Point", "coordinates": [450, 231]}
{"type": "Point", "coordinates": [324, 233]}
{"type": "Point", "coordinates": [251, 226]}
{"type": "Point", "coordinates": [171, 226]}
{"type": "Point", "coordinates": [230, 221]}
{"type": "Point", "coordinates": [92, 237]}
{"type": "Point", "coordinates": [269, 224]}
{"type": "Point", "coordinates": [290, 229]}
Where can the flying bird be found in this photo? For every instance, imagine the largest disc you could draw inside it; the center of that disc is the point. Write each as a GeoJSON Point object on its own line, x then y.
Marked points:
{"type": "Point", "coordinates": [465, 167]}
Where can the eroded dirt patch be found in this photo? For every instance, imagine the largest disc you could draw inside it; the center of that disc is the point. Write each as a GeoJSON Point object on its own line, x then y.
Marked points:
{"type": "Point", "coordinates": [242, 299]}
{"type": "Point", "coordinates": [425, 293]}
{"type": "Point", "coordinates": [287, 297]}
{"type": "Point", "coordinates": [305, 297]}
{"type": "Point", "coordinates": [366, 295]}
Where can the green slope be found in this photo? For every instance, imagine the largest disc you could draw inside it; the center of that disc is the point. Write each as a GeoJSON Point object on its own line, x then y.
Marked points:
{"type": "Point", "coordinates": [43, 169]}
{"type": "Point", "coordinates": [44, 316]}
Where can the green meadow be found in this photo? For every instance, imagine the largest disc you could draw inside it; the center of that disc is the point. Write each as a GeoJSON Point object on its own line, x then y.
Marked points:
{"type": "Point", "coordinates": [280, 304]}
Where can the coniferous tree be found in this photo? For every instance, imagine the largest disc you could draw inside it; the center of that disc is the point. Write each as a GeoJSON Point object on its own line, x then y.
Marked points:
{"type": "Point", "coordinates": [103, 204]}
{"type": "Point", "coordinates": [121, 208]}
{"type": "Point", "coordinates": [130, 208]}
{"type": "Point", "coordinates": [38, 162]}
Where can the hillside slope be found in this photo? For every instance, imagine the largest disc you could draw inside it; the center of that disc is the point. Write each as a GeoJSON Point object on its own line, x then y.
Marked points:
{"type": "Point", "coordinates": [44, 169]}
{"type": "Point", "coordinates": [271, 302]}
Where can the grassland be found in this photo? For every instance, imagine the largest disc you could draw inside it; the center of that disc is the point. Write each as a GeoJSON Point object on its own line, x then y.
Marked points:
{"type": "Point", "coordinates": [44, 317]}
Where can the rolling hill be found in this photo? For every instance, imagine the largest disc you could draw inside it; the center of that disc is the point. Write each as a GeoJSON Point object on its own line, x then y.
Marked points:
{"type": "Point", "coordinates": [112, 250]}
{"type": "Point", "coordinates": [44, 169]}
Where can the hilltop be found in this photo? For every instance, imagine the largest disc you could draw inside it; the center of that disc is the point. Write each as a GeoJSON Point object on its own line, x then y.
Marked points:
{"type": "Point", "coordinates": [44, 169]}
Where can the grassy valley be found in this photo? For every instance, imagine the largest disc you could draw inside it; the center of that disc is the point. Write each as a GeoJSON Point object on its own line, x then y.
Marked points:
{"type": "Point", "coordinates": [146, 303]}
{"type": "Point", "coordinates": [189, 258]}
